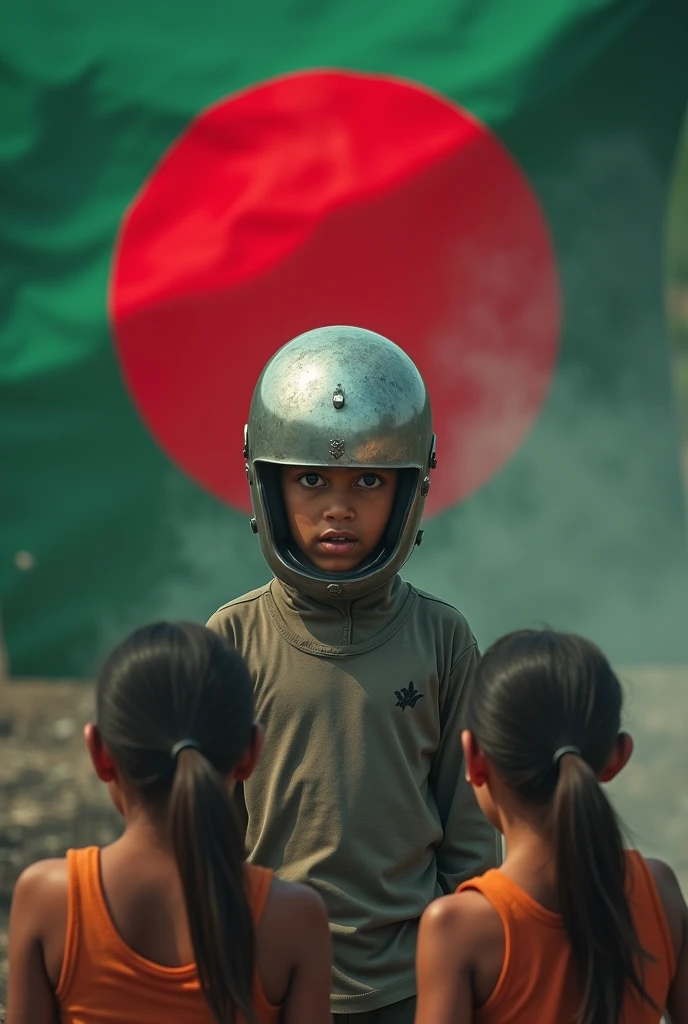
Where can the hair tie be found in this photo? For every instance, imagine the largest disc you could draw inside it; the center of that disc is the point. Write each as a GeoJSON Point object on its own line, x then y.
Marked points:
{"type": "Point", "coordinates": [562, 752]}
{"type": "Point", "coordinates": [183, 745]}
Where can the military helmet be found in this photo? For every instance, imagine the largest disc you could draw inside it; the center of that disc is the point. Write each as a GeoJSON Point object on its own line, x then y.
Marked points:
{"type": "Point", "coordinates": [339, 396]}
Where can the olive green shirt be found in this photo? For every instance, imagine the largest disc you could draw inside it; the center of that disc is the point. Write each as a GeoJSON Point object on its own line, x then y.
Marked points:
{"type": "Point", "coordinates": [361, 791]}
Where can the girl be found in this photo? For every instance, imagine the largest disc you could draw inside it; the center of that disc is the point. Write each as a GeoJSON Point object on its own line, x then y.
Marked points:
{"type": "Point", "coordinates": [571, 929]}
{"type": "Point", "coordinates": [168, 923]}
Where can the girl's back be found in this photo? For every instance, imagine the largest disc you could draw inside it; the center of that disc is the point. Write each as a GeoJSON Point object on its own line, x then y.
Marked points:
{"type": "Point", "coordinates": [529, 972]}
{"type": "Point", "coordinates": [168, 922]}
{"type": "Point", "coordinates": [116, 944]}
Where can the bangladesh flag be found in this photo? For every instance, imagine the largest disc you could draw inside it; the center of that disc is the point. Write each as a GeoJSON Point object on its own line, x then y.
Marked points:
{"type": "Point", "coordinates": [186, 186]}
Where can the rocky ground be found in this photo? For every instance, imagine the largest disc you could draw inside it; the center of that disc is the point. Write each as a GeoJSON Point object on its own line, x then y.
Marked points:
{"type": "Point", "coordinates": [50, 799]}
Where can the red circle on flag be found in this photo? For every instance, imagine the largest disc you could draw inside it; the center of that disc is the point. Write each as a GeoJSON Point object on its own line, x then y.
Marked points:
{"type": "Point", "coordinates": [329, 197]}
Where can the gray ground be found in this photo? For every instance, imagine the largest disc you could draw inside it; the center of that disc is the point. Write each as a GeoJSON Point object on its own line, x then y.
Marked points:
{"type": "Point", "coordinates": [50, 798]}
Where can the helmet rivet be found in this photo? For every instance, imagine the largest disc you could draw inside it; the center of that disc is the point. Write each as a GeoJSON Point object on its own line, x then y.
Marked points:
{"type": "Point", "coordinates": [425, 487]}
{"type": "Point", "coordinates": [419, 538]}
{"type": "Point", "coordinates": [253, 524]}
{"type": "Point", "coordinates": [334, 589]}
{"type": "Point", "coordinates": [338, 397]}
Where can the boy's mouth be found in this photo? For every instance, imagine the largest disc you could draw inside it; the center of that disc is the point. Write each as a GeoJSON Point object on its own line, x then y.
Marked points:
{"type": "Point", "coordinates": [337, 542]}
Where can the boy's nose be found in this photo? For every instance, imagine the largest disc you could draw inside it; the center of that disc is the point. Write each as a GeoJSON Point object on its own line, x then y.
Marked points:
{"type": "Point", "coordinates": [338, 509]}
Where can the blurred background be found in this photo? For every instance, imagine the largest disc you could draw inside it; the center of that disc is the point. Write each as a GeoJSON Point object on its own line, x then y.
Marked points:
{"type": "Point", "coordinates": [677, 282]}
{"type": "Point", "coordinates": [589, 498]}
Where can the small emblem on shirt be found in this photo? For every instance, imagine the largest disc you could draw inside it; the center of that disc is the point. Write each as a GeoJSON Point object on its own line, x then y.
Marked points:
{"type": "Point", "coordinates": [407, 697]}
{"type": "Point", "coordinates": [336, 448]}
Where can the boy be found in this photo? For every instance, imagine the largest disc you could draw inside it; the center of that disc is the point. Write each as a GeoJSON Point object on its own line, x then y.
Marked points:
{"type": "Point", "coordinates": [359, 677]}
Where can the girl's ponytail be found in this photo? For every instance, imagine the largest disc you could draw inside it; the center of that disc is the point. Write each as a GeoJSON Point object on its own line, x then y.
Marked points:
{"type": "Point", "coordinates": [166, 682]}
{"type": "Point", "coordinates": [545, 708]}
{"type": "Point", "coordinates": [590, 867]}
{"type": "Point", "coordinates": [210, 856]}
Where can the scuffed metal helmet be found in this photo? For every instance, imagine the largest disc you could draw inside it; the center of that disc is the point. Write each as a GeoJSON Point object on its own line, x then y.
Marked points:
{"type": "Point", "coordinates": [339, 396]}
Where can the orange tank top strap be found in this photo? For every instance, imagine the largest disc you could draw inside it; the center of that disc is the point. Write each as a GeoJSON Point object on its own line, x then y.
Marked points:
{"type": "Point", "coordinates": [83, 929]}
{"type": "Point", "coordinates": [538, 979]}
{"type": "Point", "coordinates": [258, 883]}
{"type": "Point", "coordinates": [651, 927]}
{"type": "Point", "coordinates": [535, 948]}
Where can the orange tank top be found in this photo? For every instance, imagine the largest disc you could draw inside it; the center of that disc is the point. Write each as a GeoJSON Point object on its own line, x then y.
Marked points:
{"type": "Point", "coordinates": [103, 981]}
{"type": "Point", "coordinates": [538, 980]}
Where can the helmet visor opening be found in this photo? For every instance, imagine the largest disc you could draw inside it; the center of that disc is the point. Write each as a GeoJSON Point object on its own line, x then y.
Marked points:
{"type": "Point", "coordinates": [268, 478]}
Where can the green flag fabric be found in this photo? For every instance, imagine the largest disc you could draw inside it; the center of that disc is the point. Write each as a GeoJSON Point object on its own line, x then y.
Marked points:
{"type": "Point", "coordinates": [184, 187]}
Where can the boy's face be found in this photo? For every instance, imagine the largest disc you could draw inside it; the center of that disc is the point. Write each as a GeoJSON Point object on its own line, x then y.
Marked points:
{"type": "Point", "coordinates": [337, 516]}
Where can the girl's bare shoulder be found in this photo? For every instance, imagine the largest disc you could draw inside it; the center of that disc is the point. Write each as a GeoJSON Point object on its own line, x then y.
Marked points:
{"type": "Point", "coordinates": [38, 918]}
{"type": "Point", "coordinates": [293, 939]}
{"type": "Point", "coordinates": [464, 919]}
{"type": "Point", "coordinates": [293, 901]}
{"type": "Point", "coordinates": [42, 885]}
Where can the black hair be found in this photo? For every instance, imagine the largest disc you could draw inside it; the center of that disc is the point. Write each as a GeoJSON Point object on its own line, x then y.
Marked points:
{"type": "Point", "coordinates": [165, 683]}
{"type": "Point", "coordinates": [533, 693]}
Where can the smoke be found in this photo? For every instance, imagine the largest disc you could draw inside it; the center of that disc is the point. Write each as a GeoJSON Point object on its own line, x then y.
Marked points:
{"type": "Point", "coordinates": [575, 533]}
{"type": "Point", "coordinates": [585, 526]}
{"type": "Point", "coordinates": [202, 555]}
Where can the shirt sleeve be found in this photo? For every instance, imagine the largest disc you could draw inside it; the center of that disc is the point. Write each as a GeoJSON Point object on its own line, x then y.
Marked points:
{"type": "Point", "coordinates": [470, 845]}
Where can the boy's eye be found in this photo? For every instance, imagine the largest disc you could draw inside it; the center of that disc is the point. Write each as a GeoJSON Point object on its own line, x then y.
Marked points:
{"type": "Point", "coordinates": [311, 480]}
{"type": "Point", "coordinates": [369, 481]}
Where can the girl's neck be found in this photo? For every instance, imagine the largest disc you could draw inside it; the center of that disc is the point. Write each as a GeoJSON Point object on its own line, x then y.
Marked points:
{"type": "Point", "coordinates": [530, 860]}
{"type": "Point", "coordinates": [142, 829]}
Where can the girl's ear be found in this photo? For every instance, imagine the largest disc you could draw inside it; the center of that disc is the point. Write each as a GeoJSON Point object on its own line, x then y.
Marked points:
{"type": "Point", "coordinates": [100, 756]}
{"type": "Point", "coordinates": [476, 764]}
{"type": "Point", "coordinates": [249, 759]}
{"type": "Point", "coordinates": [619, 757]}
